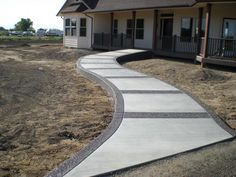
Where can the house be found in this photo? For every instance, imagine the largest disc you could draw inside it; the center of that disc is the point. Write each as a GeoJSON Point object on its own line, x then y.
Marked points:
{"type": "Point", "coordinates": [201, 29]}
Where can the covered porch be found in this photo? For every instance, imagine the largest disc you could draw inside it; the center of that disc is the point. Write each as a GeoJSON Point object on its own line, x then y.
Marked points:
{"type": "Point", "coordinates": [201, 32]}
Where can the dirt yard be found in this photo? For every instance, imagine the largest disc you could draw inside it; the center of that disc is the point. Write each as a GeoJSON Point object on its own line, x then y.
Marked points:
{"type": "Point", "coordinates": [47, 111]}
{"type": "Point", "coordinates": [215, 88]}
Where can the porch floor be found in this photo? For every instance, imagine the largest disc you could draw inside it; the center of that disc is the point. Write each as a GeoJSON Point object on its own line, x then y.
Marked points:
{"type": "Point", "coordinates": [220, 61]}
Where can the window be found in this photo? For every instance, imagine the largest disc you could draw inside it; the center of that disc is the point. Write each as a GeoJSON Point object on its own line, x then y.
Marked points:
{"type": "Point", "coordinates": [186, 29]}
{"type": "Point", "coordinates": [67, 31]}
{"type": "Point", "coordinates": [202, 34]}
{"type": "Point", "coordinates": [70, 27]}
{"type": "Point", "coordinates": [129, 28]}
{"type": "Point", "coordinates": [140, 29]}
{"type": "Point", "coordinates": [67, 27]}
{"type": "Point", "coordinates": [67, 22]}
{"type": "Point", "coordinates": [229, 29]}
{"type": "Point", "coordinates": [115, 27]}
{"type": "Point", "coordinates": [83, 27]}
{"type": "Point", "coordinates": [73, 27]}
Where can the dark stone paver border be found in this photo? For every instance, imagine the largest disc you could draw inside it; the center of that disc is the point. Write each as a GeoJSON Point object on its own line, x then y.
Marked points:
{"type": "Point", "coordinates": [174, 115]}
{"type": "Point", "coordinates": [151, 92]}
{"type": "Point", "coordinates": [125, 77]}
{"type": "Point", "coordinates": [104, 68]}
{"type": "Point", "coordinates": [118, 115]}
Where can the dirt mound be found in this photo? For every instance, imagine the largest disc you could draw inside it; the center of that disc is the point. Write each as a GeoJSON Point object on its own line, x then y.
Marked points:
{"type": "Point", "coordinates": [206, 75]}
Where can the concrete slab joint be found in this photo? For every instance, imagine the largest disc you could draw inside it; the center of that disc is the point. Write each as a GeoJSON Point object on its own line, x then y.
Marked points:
{"type": "Point", "coordinates": [149, 114]}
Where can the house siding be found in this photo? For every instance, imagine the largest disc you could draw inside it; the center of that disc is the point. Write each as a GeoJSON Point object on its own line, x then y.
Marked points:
{"type": "Point", "coordinates": [71, 42]}
{"type": "Point", "coordinates": [77, 41]}
{"type": "Point", "coordinates": [219, 12]}
{"type": "Point", "coordinates": [122, 20]}
{"type": "Point", "coordinates": [148, 16]}
{"type": "Point", "coordinates": [102, 23]}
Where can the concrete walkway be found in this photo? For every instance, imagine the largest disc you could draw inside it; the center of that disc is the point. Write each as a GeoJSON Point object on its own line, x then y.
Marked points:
{"type": "Point", "coordinates": [159, 120]}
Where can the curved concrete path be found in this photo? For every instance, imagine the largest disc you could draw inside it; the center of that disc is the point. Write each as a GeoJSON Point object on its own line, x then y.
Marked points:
{"type": "Point", "coordinates": [158, 120]}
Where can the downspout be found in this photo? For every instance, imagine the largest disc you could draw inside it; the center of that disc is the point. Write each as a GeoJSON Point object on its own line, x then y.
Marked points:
{"type": "Point", "coordinates": [91, 28]}
{"type": "Point", "coordinates": [63, 18]}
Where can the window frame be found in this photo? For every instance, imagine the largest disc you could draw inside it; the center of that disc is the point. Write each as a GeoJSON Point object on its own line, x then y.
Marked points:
{"type": "Point", "coordinates": [71, 27]}
{"type": "Point", "coordinates": [139, 29]}
{"type": "Point", "coordinates": [67, 27]}
{"type": "Point", "coordinates": [224, 31]}
{"type": "Point", "coordinates": [188, 37]}
{"type": "Point", "coordinates": [196, 35]}
{"type": "Point", "coordinates": [129, 29]}
{"type": "Point", "coordinates": [83, 28]}
{"type": "Point", "coordinates": [115, 27]}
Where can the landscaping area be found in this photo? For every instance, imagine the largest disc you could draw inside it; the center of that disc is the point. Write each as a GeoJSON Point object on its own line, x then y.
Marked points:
{"type": "Point", "coordinates": [215, 88]}
{"type": "Point", "coordinates": [48, 111]}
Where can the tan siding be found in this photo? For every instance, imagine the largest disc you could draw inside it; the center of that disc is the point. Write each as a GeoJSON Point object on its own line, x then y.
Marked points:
{"type": "Point", "coordinates": [102, 23]}
{"type": "Point", "coordinates": [122, 20]}
{"type": "Point", "coordinates": [219, 12]}
{"type": "Point", "coordinates": [148, 29]}
{"type": "Point", "coordinates": [71, 42]}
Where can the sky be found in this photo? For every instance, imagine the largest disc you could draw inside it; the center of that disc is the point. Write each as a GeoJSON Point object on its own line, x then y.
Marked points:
{"type": "Point", "coordinates": [41, 12]}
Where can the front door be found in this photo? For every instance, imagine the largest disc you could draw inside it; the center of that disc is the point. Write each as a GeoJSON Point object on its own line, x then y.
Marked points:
{"type": "Point", "coordinates": [166, 33]}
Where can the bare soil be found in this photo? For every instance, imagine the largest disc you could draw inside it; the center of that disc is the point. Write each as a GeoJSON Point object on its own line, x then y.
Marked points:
{"type": "Point", "coordinates": [215, 88]}
{"type": "Point", "coordinates": [48, 111]}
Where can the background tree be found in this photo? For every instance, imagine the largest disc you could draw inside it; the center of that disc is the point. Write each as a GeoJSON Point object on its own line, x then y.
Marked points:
{"type": "Point", "coordinates": [24, 25]}
{"type": "Point", "coordinates": [3, 31]}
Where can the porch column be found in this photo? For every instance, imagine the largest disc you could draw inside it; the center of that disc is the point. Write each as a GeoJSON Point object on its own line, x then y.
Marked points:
{"type": "Point", "coordinates": [208, 20]}
{"type": "Point", "coordinates": [199, 37]}
{"type": "Point", "coordinates": [112, 28]}
{"type": "Point", "coordinates": [154, 39]}
{"type": "Point", "coordinates": [133, 27]}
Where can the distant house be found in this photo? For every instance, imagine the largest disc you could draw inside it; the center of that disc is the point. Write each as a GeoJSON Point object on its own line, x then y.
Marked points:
{"type": "Point", "coordinates": [184, 28]}
{"type": "Point", "coordinates": [41, 32]}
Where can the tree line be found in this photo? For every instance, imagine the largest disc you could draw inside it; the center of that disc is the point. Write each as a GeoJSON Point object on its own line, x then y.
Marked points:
{"type": "Point", "coordinates": [25, 24]}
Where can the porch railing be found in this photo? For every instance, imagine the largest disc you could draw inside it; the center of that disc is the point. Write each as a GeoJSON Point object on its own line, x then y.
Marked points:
{"type": "Point", "coordinates": [220, 47]}
{"type": "Point", "coordinates": [116, 41]}
{"type": "Point", "coordinates": [177, 44]}
{"type": "Point", "coordinates": [225, 48]}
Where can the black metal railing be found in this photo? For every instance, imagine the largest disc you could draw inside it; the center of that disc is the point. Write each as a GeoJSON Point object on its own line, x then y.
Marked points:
{"type": "Point", "coordinates": [177, 44]}
{"type": "Point", "coordinates": [115, 41]}
{"type": "Point", "coordinates": [225, 48]}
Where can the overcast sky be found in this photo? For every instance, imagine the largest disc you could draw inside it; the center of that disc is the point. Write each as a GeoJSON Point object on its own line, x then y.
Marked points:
{"type": "Point", "coordinates": [41, 12]}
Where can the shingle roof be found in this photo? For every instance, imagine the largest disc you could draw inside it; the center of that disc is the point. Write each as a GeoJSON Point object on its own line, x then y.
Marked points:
{"type": "Point", "coordinates": [116, 5]}
{"type": "Point", "coordinates": [91, 3]}
{"type": "Point", "coordinates": [76, 7]}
